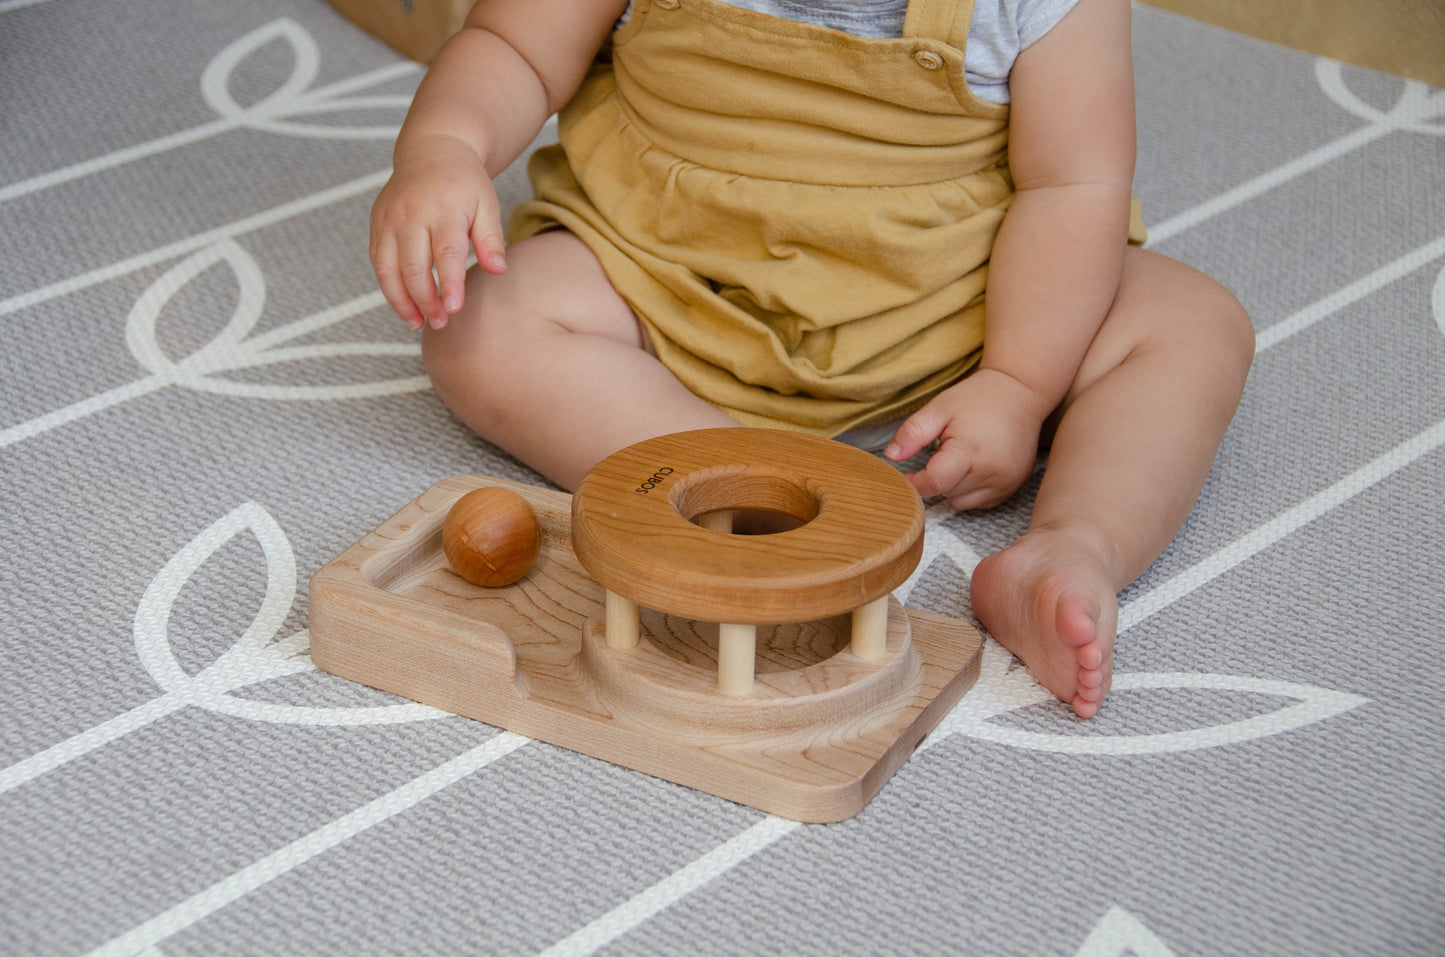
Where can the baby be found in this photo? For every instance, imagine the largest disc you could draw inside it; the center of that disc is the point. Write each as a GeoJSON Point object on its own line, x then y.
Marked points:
{"type": "Point", "coordinates": [906, 217]}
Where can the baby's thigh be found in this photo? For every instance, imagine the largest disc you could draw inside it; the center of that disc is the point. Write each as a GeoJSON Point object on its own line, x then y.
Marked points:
{"type": "Point", "coordinates": [553, 284]}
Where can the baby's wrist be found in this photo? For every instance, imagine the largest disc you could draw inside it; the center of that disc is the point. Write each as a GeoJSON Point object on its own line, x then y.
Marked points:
{"type": "Point", "coordinates": [1018, 392]}
{"type": "Point", "coordinates": [429, 148]}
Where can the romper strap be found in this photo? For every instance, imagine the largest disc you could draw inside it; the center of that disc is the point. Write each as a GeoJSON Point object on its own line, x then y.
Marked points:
{"type": "Point", "coordinates": [945, 20]}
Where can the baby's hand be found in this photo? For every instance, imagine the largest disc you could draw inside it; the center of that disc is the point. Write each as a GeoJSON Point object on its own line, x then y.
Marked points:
{"type": "Point", "coordinates": [438, 203]}
{"type": "Point", "coordinates": [987, 426]}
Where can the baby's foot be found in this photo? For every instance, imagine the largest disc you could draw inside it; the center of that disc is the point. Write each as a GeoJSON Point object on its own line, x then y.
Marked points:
{"type": "Point", "coordinates": [1049, 600]}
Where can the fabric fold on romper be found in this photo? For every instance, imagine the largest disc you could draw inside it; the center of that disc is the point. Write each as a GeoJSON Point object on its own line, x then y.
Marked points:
{"type": "Point", "coordinates": [800, 218]}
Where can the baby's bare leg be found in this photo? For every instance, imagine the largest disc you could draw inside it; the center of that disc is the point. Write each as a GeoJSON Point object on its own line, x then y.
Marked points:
{"type": "Point", "coordinates": [1135, 439]}
{"type": "Point", "coordinates": [547, 362]}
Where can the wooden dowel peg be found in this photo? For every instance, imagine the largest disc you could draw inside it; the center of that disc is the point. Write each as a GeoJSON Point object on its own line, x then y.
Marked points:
{"type": "Point", "coordinates": [870, 630]}
{"type": "Point", "coordinates": [737, 650]}
{"type": "Point", "coordinates": [718, 521]}
{"type": "Point", "coordinates": [623, 622]}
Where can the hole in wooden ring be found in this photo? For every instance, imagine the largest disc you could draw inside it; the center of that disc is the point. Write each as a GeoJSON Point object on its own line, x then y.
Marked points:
{"type": "Point", "coordinates": [760, 501]}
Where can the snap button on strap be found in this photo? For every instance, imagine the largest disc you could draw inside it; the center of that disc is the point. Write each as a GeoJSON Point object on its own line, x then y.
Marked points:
{"type": "Point", "coordinates": [926, 58]}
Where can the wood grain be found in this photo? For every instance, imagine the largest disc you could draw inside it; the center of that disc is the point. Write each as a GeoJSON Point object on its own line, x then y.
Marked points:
{"type": "Point", "coordinates": [815, 740]}
{"type": "Point", "coordinates": [861, 538]}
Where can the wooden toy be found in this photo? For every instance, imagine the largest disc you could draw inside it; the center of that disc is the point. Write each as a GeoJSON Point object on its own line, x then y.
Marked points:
{"type": "Point", "coordinates": [491, 536]}
{"type": "Point", "coordinates": [775, 670]}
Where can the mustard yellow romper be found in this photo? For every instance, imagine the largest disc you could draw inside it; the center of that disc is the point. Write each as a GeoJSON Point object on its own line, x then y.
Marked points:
{"type": "Point", "coordinates": [800, 218]}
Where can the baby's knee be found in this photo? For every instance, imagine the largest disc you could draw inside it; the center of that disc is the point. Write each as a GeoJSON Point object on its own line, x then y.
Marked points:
{"type": "Point", "coordinates": [1229, 326]}
{"type": "Point", "coordinates": [466, 358]}
{"type": "Point", "coordinates": [1198, 315]}
{"type": "Point", "coordinates": [446, 365]}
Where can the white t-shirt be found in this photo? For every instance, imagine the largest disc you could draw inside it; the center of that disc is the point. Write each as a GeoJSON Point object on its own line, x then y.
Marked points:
{"type": "Point", "coordinates": [1000, 30]}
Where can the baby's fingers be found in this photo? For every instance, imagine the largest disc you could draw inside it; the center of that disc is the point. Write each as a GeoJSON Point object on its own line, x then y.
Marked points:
{"type": "Point", "coordinates": [384, 261]}
{"type": "Point", "coordinates": [916, 433]}
{"type": "Point", "coordinates": [984, 496]}
{"type": "Point", "coordinates": [490, 245]}
{"type": "Point", "coordinates": [449, 245]}
{"type": "Point", "coordinates": [415, 266]}
{"type": "Point", "coordinates": [966, 482]}
{"type": "Point", "coordinates": [451, 260]}
{"type": "Point", "coordinates": [945, 473]}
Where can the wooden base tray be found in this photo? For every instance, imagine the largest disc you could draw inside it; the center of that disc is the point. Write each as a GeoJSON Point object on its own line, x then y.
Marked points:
{"type": "Point", "coordinates": [819, 735]}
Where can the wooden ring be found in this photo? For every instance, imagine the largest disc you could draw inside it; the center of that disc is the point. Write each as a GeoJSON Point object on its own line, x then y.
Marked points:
{"type": "Point", "coordinates": [861, 537]}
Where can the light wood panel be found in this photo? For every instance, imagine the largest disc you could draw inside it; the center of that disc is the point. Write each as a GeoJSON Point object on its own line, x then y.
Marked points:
{"type": "Point", "coordinates": [1403, 37]}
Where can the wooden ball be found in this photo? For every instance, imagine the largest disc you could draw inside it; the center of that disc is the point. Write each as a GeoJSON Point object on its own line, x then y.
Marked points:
{"type": "Point", "coordinates": [491, 536]}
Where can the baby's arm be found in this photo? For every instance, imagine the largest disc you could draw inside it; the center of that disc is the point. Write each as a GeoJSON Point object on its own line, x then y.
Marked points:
{"type": "Point", "coordinates": [513, 64]}
{"type": "Point", "coordinates": [1056, 262]}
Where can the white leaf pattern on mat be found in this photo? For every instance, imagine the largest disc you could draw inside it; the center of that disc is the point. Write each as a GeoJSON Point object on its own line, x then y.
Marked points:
{"type": "Point", "coordinates": [1120, 932]}
{"type": "Point", "coordinates": [306, 61]}
{"type": "Point", "coordinates": [231, 350]}
{"type": "Point", "coordinates": [256, 657]}
{"type": "Point", "coordinates": [1413, 111]}
{"type": "Point", "coordinates": [294, 96]}
{"type": "Point", "coordinates": [1437, 300]}
{"type": "Point", "coordinates": [1002, 689]}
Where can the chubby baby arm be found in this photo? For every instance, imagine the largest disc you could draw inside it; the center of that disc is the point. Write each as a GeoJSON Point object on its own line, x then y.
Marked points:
{"type": "Point", "coordinates": [513, 64]}
{"type": "Point", "coordinates": [1056, 263]}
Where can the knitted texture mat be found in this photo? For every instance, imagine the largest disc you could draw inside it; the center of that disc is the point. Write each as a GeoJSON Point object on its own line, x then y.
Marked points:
{"type": "Point", "coordinates": [203, 400]}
